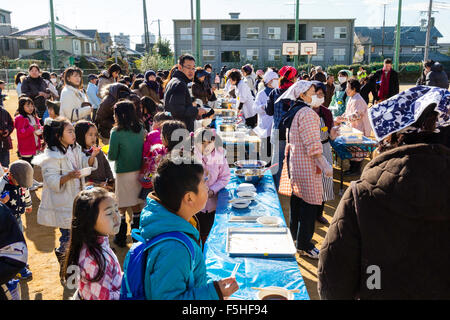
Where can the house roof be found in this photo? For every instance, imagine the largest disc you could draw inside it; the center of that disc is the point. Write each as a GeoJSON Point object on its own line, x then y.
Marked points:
{"type": "Point", "coordinates": [410, 36]}
{"type": "Point", "coordinates": [91, 33]}
{"type": "Point", "coordinates": [3, 10]}
{"type": "Point", "coordinates": [45, 55]}
{"type": "Point", "coordinates": [43, 30]}
{"type": "Point", "coordinates": [105, 36]}
{"type": "Point", "coordinates": [418, 57]}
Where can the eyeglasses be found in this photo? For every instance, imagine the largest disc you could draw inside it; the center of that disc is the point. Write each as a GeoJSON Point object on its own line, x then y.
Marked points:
{"type": "Point", "coordinates": [192, 69]}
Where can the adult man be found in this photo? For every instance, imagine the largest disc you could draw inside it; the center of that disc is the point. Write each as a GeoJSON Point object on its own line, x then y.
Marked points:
{"type": "Point", "coordinates": [177, 98]}
{"type": "Point", "coordinates": [91, 92]}
{"type": "Point", "coordinates": [388, 79]}
{"type": "Point", "coordinates": [319, 76]}
{"type": "Point", "coordinates": [436, 76]}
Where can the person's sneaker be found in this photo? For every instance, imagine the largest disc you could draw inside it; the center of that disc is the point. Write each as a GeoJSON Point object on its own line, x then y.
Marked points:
{"type": "Point", "coordinates": [36, 185]}
{"type": "Point", "coordinates": [25, 274]}
{"type": "Point", "coordinates": [313, 253]}
{"type": "Point", "coordinates": [322, 220]}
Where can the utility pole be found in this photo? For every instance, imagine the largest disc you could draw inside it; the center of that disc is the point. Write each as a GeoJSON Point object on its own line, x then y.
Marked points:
{"type": "Point", "coordinates": [397, 38]}
{"type": "Point", "coordinates": [198, 34]}
{"type": "Point", "coordinates": [297, 31]}
{"type": "Point", "coordinates": [382, 32]}
{"type": "Point", "coordinates": [53, 46]}
{"type": "Point", "coordinates": [427, 38]}
{"type": "Point", "coordinates": [159, 31]}
{"type": "Point", "coordinates": [192, 28]}
{"type": "Point", "coordinates": [146, 33]}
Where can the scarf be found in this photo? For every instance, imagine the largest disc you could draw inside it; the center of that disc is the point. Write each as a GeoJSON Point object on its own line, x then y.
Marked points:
{"type": "Point", "coordinates": [383, 93]}
{"type": "Point", "coordinates": [153, 85]}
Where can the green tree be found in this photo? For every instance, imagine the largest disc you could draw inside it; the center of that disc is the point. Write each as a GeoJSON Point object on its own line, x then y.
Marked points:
{"type": "Point", "coordinates": [162, 48]}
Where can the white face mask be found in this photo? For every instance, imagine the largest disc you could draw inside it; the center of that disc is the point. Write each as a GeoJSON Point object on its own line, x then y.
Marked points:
{"type": "Point", "coordinates": [53, 80]}
{"type": "Point", "coordinates": [342, 79]}
{"type": "Point", "coordinates": [316, 101]}
{"type": "Point", "coordinates": [274, 84]}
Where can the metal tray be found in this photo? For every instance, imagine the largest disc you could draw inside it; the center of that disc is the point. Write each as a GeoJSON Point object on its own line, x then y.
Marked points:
{"type": "Point", "coordinates": [243, 218]}
{"type": "Point", "coordinates": [260, 242]}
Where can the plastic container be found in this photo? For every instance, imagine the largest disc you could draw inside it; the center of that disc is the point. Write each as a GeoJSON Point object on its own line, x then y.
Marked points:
{"type": "Point", "coordinates": [274, 293]}
{"type": "Point", "coordinates": [269, 221]}
{"type": "Point", "coordinates": [241, 203]}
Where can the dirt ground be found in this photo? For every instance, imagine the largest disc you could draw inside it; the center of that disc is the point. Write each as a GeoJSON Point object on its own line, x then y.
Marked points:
{"type": "Point", "coordinates": [41, 241]}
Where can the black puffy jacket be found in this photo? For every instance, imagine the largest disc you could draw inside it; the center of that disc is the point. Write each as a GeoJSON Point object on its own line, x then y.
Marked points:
{"type": "Point", "coordinates": [437, 77]}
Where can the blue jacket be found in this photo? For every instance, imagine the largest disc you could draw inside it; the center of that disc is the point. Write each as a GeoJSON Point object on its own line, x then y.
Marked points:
{"type": "Point", "coordinates": [168, 263]}
{"type": "Point", "coordinates": [91, 93]}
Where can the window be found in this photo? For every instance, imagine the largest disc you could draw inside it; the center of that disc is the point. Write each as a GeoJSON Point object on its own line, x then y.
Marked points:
{"type": "Point", "coordinates": [253, 33]}
{"type": "Point", "coordinates": [340, 32]}
{"type": "Point", "coordinates": [39, 44]}
{"type": "Point", "coordinates": [31, 44]}
{"type": "Point", "coordinates": [88, 48]}
{"type": "Point", "coordinates": [185, 34]}
{"type": "Point", "coordinates": [319, 56]}
{"type": "Point", "coordinates": [209, 33]}
{"type": "Point", "coordinates": [6, 44]}
{"type": "Point", "coordinates": [318, 32]}
{"type": "Point", "coordinates": [76, 46]}
{"type": "Point", "coordinates": [23, 44]}
{"type": "Point", "coordinates": [185, 51]}
{"type": "Point", "coordinates": [252, 54]}
{"type": "Point", "coordinates": [209, 55]}
{"type": "Point", "coordinates": [274, 54]}
{"type": "Point", "coordinates": [230, 32]}
{"type": "Point", "coordinates": [231, 56]}
{"type": "Point", "coordinates": [274, 33]}
{"type": "Point", "coordinates": [291, 32]}
{"type": "Point", "coordinates": [339, 54]}
{"type": "Point", "coordinates": [2, 19]}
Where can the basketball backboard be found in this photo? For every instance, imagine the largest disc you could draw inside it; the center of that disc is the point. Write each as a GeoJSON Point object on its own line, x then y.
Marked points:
{"type": "Point", "coordinates": [308, 48]}
{"type": "Point", "coordinates": [290, 49]}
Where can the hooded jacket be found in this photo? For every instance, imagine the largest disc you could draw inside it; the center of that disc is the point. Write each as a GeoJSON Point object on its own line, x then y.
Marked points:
{"type": "Point", "coordinates": [104, 80]}
{"type": "Point", "coordinates": [71, 100]}
{"type": "Point", "coordinates": [401, 228]}
{"type": "Point", "coordinates": [437, 77]}
{"type": "Point", "coordinates": [105, 114]}
{"type": "Point", "coordinates": [169, 263]}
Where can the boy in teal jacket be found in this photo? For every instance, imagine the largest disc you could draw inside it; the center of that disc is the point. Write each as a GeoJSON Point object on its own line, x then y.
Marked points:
{"type": "Point", "coordinates": [180, 192]}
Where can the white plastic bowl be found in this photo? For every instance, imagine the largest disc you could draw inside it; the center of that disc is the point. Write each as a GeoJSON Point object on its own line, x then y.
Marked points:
{"type": "Point", "coordinates": [246, 187]}
{"type": "Point", "coordinates": [266, 292]}
{"type": "Point", "coordinates": [269, 221]}
{"type": "Point", "coordinates": [241, 203]}
{"type": "Point", "coordinates": [246, 194]}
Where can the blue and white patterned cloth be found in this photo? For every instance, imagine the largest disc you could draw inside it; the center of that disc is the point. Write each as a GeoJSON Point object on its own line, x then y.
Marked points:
{"type": "Point", "coordinates": [404, 109]}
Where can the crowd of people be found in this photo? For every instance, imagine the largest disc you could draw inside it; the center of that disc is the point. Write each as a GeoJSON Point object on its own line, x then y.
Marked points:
{"type": "Point", "coordinates": [144, 121]}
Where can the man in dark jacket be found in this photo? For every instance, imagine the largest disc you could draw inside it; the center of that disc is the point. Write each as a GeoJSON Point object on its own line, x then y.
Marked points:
{"type": "Point", "coordinates": [13, 249]}
{"type": "Point", "coordinates": [177, 99]}
{"type": "Point", "coordinates": [437, 77]}
{"type": "Point", "coordinates": [388, 79]}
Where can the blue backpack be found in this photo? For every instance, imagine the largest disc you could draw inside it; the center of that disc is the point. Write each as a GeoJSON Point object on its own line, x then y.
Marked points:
{"type": "Point", "coordinates": [136, 260]}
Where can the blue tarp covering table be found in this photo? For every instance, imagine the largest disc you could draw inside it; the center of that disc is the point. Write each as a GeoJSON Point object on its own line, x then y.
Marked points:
{"type": "Point", "coordinates": [253, 271]}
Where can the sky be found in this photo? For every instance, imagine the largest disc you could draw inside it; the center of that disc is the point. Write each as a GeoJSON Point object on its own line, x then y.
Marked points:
{"type": "Point", "coordinates": [126, 16]}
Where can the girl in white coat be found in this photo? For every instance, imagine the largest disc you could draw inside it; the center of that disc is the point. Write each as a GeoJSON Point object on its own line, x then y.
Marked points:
{"type": "Point", "coordinates": [74, 103]}
{"type": "Point", "coordinates": [265, 122]}
{"type": "Point", "coordinates": [61, 163]}
{"type": "Point", "coordinates": [245, 98]}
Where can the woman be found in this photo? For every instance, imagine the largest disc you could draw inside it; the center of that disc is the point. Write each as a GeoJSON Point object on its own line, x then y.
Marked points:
{"type": "Point", "coordinates": [396, 218]}
{"type": "Point", "coordinates": [200, 90]}
{"type": "Point", "coordinates": [105, 114]}
{"type": "Point", "coordinates": [245, 98]}
{"type": "Point", "coordinates": [125, 148]}
{"type": "Point", "coordinates": [340, 98]}
{"type": "Point", "coordinates": [356, 113]}
{"type": "Point", "coordinates": [74, 102]}
{"type": "Point", "coordinates": [249, 77]}
{"type": "Point", "coordinates": [150, 88]}
{"type": "Point", "coordinates": [277, 110]}
{"type": "Point", "coordinates": [265, 122]}
{"type": "Point", "coordinates": [108, 77]}
{"type": "Point", "coordinates": [35, 87]}
{"type": "Point", "coordinates": [18, 81]}
{"type": "Point", "coordinates": [327, 133]}
{"type": "Point", "coordinates": [304, 164]}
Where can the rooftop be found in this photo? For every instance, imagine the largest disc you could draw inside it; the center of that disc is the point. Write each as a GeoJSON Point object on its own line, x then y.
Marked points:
{"type": "Point", "coordinates": [410, 36]}
{"type": "Point", "coordinates": [43, 31]}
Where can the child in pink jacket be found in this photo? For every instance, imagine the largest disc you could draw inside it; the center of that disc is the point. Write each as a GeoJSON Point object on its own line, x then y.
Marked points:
{"type": "Point", "coordinates": [209, 152]}
{"type": "Point", "coordinates": [28, 130]}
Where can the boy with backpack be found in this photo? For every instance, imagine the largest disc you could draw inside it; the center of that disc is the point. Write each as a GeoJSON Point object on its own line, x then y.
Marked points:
{"type": "Point", "coordinates": [168, 263]}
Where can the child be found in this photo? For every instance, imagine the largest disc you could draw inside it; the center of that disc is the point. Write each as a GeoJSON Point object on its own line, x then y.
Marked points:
{"type": "Point", "coordinates": [87, 137]}
{"type": "Point", "coordinates": [6, 128]}
{"type": "Point", "coordinates": [61, 163]}
{"type": "Point", "coordinates": [152, 153]}
{"type": "Point", "coordinates": [180, 192]}
{"type": "Point", "coordinates": [95, 218]}
{"type": "Point", "coordinates": [14, 187]}
{"type": "Point", "coordinates": [2, 88]}
{"type": "Point", "coordinates": [29, 133]}
{"type": "Point", "coordinates": [209, 152]}
{"type": "Point", "coordinates": [125, 148]}
{"type": "Point", "coordinates": [149, 109]}
{"type": "Point", "coordinates": [28, 130]}
{"type": "Point", "coordinates": [52, 109]}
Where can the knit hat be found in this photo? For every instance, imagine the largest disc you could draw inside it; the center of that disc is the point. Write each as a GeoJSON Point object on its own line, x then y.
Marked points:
{"type": "Point", "coordinates": [22, 172]}
{"type": "Point", "coordinates": [149, 73]}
